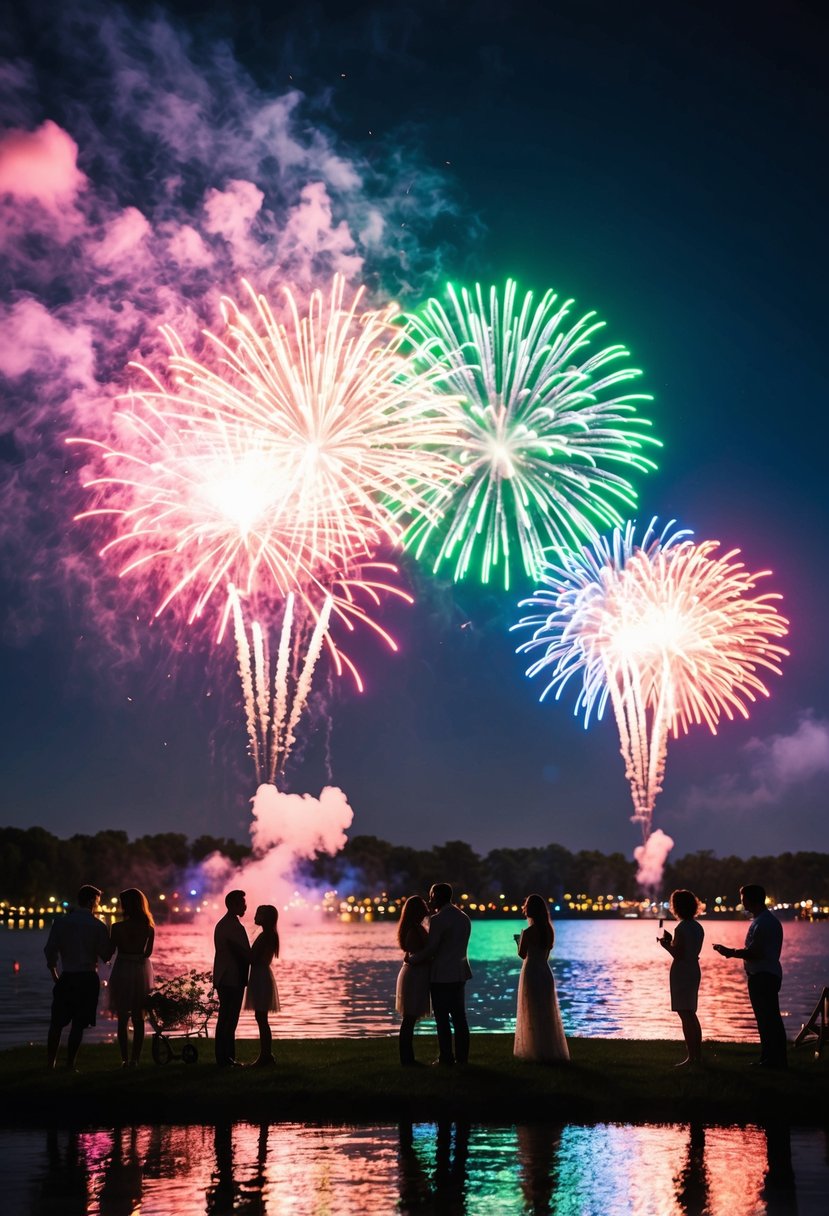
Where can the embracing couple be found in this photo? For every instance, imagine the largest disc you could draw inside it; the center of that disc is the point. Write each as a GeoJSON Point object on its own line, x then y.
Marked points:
{"type": "Point", "coordinates": [435, 966]}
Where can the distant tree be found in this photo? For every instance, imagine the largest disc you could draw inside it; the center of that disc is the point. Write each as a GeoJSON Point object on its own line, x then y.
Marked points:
{"type": "Point", "coordinates": [457, 863]}
{"type": "Point", "coordinates": [203, 846]}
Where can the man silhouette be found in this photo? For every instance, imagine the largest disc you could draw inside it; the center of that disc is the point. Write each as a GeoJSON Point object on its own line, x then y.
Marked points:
{"type": "Point", "coordinates": [761, 959]}
{"type": "Point", "coordinates": [230, 974]}
{"type": "Point", "coordinates": [449, 930]}
{"type": "Point", "coordinates": [78, 939]}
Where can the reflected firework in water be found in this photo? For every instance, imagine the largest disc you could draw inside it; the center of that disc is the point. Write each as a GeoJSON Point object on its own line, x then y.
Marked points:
{"type": "Point", "coordinates": [547, 432]}
{"type": "Point", "coordinates": [668, 631]}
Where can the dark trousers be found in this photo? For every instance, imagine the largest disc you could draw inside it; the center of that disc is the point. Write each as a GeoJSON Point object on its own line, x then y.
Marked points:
{"type": "Point", "coordinates": [406, 1040]}
{"type": "Point", "coordinates": [763, 992]}
{"type": "Point", "coordinates": [448, 1005]}
{"type": "Point", "coordinates": [230, 1006]}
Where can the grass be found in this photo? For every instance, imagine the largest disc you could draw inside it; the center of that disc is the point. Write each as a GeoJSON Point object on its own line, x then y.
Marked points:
{"type": "Point", "coordinates": [358, 1081]}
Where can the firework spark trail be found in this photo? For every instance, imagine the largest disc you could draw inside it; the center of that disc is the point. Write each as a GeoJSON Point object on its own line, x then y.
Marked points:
{"type": "Point", "coordinates": [672, 634]}
{"type": "Point", "coordinates": [262, 681]}
{"type": "Point", "coordinates": [303, 685]}
{"type": "Point", "coordinates": [246, 677]}
{"type": "Point", "coordinates": [280, 684]}
{"type": "Point", "coordinates": [542, 429]}
{"type": "Point", "coordinates": [268, 705]}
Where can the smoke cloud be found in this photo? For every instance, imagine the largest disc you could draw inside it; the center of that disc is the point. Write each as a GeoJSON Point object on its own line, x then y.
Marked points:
{"type": "Point", "coordinates": [651, 857]}
{"type": "Point", "coordinates": [769, 770]}
{"type": "Point", "coordinates": [286, 829]}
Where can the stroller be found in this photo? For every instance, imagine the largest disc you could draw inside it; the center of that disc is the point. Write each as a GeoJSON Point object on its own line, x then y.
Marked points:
{"type": "Point", "coordinates": [182, 1006]}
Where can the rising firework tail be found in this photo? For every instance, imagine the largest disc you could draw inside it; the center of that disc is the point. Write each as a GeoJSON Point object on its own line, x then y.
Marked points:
{"type": "Point", "coordinates": [546, 431]}
{"type": "Point", "coordinates": [667, 631]}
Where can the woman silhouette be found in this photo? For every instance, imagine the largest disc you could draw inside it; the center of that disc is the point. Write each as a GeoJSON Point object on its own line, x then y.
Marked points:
{"type": "Point", "coordinates": [262, 996]}
{"type": "Point", "coordinates": [132, 971]}
{"type": "Point", "coordinates": [684, 947]}
{"type": "Point", "coordinates": [412, 994]}
{"type": "Point", "coordinates": [539, 1034]}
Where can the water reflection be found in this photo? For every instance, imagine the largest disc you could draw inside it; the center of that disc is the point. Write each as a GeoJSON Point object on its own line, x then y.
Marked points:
{"type": "Point", "coordinates": [227, 1194]}
{"type": "Point", "coordinates": [433, 1167]}
{"type": "Point", "coordinates": [691, 1182]}
{"type": "Point", "coordinates": [450, 1167]}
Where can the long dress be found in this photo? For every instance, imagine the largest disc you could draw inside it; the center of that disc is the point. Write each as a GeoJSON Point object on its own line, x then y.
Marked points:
{"type": "Point", "coordinates": [411, 998]}
{"type": "Point", "coordinates": [685, 973]}
{"type": "Point", "coordinates": [262, 995]}
{"type": "Point", "coordinates": [539, 1034]}
{"type": "Point", "coordinates": [131, 980]}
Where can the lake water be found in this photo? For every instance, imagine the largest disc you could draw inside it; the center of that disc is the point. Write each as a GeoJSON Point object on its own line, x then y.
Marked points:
{"type": "Point", "coordinates": [449, 1168]}
{"type": "Point", "coordinates": [338, 979]}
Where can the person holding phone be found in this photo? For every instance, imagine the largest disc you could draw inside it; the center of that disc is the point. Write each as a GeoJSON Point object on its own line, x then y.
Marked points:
{"type": "Point", "coordinates": [684, 946]}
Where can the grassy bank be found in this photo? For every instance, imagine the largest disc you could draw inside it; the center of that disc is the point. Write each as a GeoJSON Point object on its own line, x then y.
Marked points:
{"type": "Point", "coordinates": [349, 1080]}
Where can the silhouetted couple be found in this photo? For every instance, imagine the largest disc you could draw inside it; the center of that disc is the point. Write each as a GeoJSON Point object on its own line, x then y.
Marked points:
{"type": "Point", "coordinates": [435, 966]}
{"type": "Point", "coordinates": [761, 958]}
{"type": "Point", "coordinates": [79, 940]}
{"type": "Point", "coordinates": [243, 975]}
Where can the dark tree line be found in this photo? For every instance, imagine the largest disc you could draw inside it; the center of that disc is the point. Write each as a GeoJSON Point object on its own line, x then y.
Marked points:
{"type": "Point", "coordinates": [35, 864]}
{"type": "Point", "coordinates": [367, 866]}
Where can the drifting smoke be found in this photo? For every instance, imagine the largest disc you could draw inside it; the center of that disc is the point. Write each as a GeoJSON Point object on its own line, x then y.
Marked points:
{"type": "Point", "coordinates": [651, 857]}
{"type": "Point", "coordinates": [286, 829]}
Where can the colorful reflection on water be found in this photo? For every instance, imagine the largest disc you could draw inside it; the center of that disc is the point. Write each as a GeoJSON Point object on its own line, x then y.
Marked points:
{"type": "Point", "coordinates": [337, 980]}
{"type": "Point", "coordinates": [280, 1168]}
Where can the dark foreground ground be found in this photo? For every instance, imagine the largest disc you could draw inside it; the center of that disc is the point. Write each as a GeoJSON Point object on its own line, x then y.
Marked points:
{"type": "Point", "coordinates": [349, 1080]}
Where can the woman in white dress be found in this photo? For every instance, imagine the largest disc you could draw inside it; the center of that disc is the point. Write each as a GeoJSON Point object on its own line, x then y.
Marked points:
{"type": "Point", "coordinates": [684, 947]}
{"type": "Point", "coordinates": [262, 996]}
{"type": "Point", "coordinates": [412, 994]}
{"type": "Point", "coordinates": [132, 972]}
{"type": "Point", "coordinates": [539, 1034]}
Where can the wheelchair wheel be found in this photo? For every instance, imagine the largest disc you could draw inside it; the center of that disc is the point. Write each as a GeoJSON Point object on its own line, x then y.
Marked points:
{"type": "Point", "coordinates": [190, 1053]}
{"type": "Point", "coordinates": [162, 1051]}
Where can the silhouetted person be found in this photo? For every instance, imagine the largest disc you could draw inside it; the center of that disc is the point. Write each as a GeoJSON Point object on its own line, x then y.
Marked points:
{"type": "Point", "coordinates": [230, 974]}
{"type": "Point", "coordinates": [761, 958]}
{"type": "Point", "coordinates": [684, 946]}
{"type": "Point", "coordinates": [539, 1034]}
{"type": "Point", "coordinates": [79, 940]}
{"type": "Point", "coordinates": [445, 950]}
{"type": "Point", "coordinates": [132, 971]}
{"type": "Point", "coordinates": [411, 998]}
{"type": "Point", "coordinates": [262, 996]}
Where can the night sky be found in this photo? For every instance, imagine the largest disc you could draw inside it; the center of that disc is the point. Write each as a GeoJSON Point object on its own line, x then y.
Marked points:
{"type": "Point", "coordinates": [662, 163]}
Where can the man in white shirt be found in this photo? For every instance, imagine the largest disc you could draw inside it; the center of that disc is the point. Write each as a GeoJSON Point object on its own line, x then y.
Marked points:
{"type": "Point", "coordinates": [79, 940]}
{"type": "Point", "coordinates": [230, 974]}
{"type": "Point", "coordinates": [761, 959]}
{"type": "Point", "coordinates": [449, 931]}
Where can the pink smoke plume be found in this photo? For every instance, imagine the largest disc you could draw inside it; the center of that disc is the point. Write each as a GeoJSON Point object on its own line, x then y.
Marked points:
{"type": "Point", "coordinates": [286, 829]}
{"type": "Point", "coordinates": [651, 857]}
{"type": "Point", "coordinates": [41, 166]}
